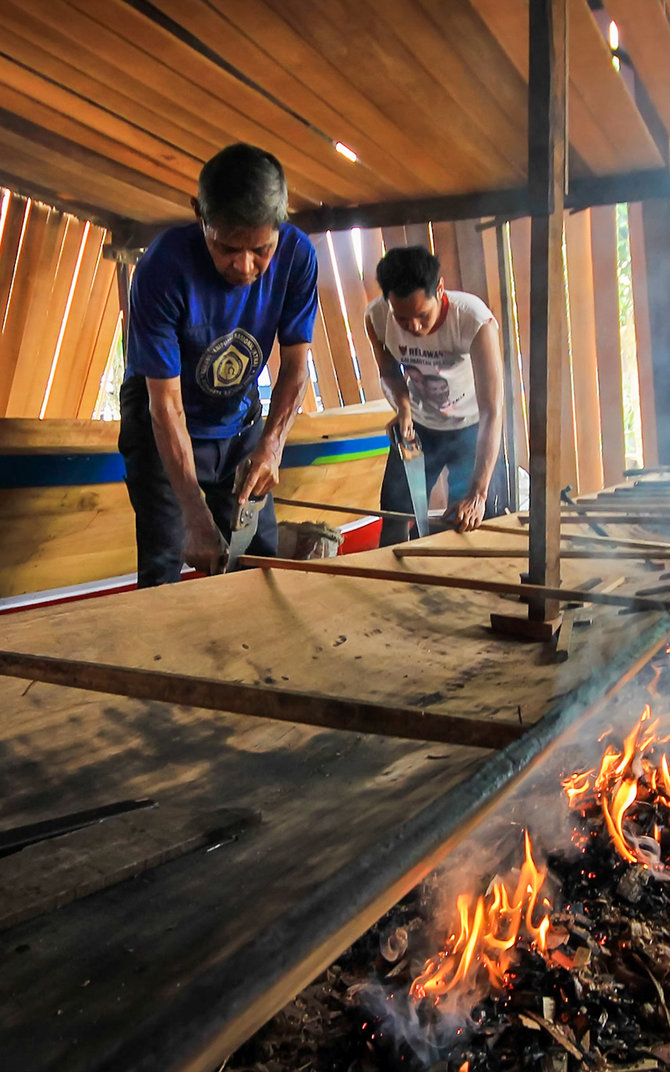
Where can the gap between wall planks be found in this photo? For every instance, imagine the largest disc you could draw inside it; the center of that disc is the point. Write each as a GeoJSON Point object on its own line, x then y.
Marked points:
{"type": "Point", "coordinates": [285, 705]}
{"type": "Point", "coordinates": [473, 584]}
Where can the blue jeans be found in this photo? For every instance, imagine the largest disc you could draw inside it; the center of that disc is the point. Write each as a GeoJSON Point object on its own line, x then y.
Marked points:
{"type": "Point", "coordinates": [159, 525]}
{"type": "Point", "coordinates": [455, 450]}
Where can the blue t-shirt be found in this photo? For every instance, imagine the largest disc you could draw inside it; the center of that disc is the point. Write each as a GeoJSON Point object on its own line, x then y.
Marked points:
{"type": "Point", "coordinates": [186, 320]}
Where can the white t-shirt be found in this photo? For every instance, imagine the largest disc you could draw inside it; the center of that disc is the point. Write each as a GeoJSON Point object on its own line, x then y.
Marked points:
{"type": "Point", "coordinates": [437, 367]}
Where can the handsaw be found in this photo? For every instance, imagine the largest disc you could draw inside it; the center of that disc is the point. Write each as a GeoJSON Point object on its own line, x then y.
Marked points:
{"type": "Point", "coordinates": [414, 465]}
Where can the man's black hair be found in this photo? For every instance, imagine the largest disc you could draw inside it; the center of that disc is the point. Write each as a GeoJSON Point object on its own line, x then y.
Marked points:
{"type": "Point", "coordinates": [406, 269]}
{"type": "Point", "coordinates": [243, 187]}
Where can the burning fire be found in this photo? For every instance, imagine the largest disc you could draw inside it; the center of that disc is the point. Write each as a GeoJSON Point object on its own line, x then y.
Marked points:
{"type": "Point", "coordinates": [488, 932]}
{"type": "Point", "coordinates": [626, 776]}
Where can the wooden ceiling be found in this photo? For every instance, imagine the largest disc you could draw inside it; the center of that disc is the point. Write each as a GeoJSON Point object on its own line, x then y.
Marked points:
{"type": "Point", "coordinates": [111, 106]}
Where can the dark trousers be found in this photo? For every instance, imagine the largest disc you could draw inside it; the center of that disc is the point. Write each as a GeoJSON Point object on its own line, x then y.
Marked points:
{"type": "Point", "coordinates": [159, 525]}
{"type": "Point", "coordinates": [455, 450]}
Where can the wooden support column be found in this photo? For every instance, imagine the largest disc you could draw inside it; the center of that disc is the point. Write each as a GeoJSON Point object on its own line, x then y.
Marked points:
{"type": "Point", "coordinates": [546, 184]}
{"type": "Point", "coordinates": [656, 231]}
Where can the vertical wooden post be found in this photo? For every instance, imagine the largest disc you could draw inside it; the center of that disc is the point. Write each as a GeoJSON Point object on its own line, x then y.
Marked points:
{"type": "Point", "coordinates": [546, 186]}
{"type": "Point", "coordinates": [509, 357]}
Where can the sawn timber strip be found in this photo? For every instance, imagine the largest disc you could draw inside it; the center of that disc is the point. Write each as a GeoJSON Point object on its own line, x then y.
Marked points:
{"type": "Point", "coordinates": [283, 705]}
{"type": "Point", "coordinates": [474, 584]}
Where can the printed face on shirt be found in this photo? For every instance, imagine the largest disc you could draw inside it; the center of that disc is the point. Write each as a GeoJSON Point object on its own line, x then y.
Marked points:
{"type": "Point", "coordinates": [417, 313]}
{"type": "Point", "coordinates": [240, 256]}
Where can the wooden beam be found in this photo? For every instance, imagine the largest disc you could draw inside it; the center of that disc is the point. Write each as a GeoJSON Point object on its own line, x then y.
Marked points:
{"type": "Point", "coordinates": [504, 552]}
{"type": "Point", "coordinates": [604, 541]}
{"type": "Point", "coordinates": [436, 580]}
{"type": "Point", "coordinates": [342, 509]}
{"type": "Point", "coordinates": [546, 183]}
{"type": "Point", "coordinates": [284, 705]}
{"type": "Point", "coordinates": [510, 363]}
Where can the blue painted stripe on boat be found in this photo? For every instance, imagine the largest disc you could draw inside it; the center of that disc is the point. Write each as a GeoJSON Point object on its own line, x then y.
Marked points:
{"type": "Point", "coordinates": [67, 470]}
{"type": "Point", "coordinates": [59, 470]}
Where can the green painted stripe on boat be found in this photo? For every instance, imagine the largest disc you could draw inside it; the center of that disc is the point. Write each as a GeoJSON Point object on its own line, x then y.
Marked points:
{"type": "Point", "coordinates": [333, 459]}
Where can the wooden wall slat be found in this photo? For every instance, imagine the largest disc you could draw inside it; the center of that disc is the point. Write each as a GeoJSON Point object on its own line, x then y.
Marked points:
{"type": "Point", "coordinates": [417, 234]}
{"type": "Point", "coordinates": [584, 350]}
{"type": "Point", "coordinates": [371, 248]}
{"type": "Point", "coordinates": [334, 325]}
{"type": "Point", "coordinates": [23, 254]}
{"type": "Point", "coordinates": [394, 236]}
{"type": "Point", "coordinates": [323, 363]}
{"type": "Point", "coordinates": [446, 250]}
{"type": "Point", "coordinates": [608, 342]}
{"type": "Point", "coordinates": [520, 244]}
{"type": "Point", "coordinates": [14, 225]}
{"type": "Point", "coordinates": [643, 334]}
{"type": "Point", "coordinates": [569, 470]}
{"type": "Point", "coordinates": [31, 380]}
{"type": "Point", "coordinates": [28, 359]}
{"type": "Point", "coordinates": [356, 302]}
{"type": "Point", "coordinates": [102, 328]}
{"type": "Point", "coordinates": [65, 390]}
{"type": "Point", "coordinates": [471, 258]}
{"type": "Point", "coordinates": [656, 222]}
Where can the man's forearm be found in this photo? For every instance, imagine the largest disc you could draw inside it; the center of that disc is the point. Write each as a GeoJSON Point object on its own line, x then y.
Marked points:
{"type": "Point", "coordinates": [174, 446]}
{"type": "Point", "coordinates": [486, 453]}
{"type": "Point", "coordinates": [287, 395]}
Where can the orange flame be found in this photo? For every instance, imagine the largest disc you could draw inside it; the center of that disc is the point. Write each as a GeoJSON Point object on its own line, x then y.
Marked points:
{"type": "Point", "coordinates": [624, 776]}
{"type": "Point", "coordinates": [488, 933]}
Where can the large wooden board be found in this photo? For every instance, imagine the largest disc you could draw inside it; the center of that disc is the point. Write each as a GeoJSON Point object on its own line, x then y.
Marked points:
{"type": "Point", "coordinates": [171, 970]}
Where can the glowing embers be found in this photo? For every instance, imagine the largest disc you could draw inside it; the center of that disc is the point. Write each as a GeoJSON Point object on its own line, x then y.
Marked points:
{"type": "Point", "coordinates": [489, 931]}
{"type": "Point", "coordinates": [632, 791]}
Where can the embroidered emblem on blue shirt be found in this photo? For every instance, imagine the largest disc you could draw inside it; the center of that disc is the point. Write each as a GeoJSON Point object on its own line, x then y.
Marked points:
{"type": "Point", "coordinates": [229, 363]}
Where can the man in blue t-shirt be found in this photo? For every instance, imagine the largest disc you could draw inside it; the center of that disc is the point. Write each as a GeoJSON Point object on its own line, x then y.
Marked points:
{"type": "Point", "coordinates": [207, 301]}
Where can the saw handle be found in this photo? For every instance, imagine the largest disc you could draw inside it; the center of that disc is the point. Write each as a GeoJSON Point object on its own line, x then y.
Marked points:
{"type": "Point", "coordinates": [407, 448]}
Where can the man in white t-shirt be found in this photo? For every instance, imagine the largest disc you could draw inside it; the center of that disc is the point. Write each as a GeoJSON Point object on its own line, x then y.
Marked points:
{"type": "Point", "coordinates": [441, 369]}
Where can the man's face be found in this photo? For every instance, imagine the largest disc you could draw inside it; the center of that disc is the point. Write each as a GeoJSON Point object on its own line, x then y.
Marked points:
{"type": "Point", "coordinates": [240, 256]}
{"type": "Point", "coordinates": [417, 313]}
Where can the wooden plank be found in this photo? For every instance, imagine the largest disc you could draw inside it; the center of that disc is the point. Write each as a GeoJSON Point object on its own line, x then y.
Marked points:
{"type": "Point", "coordinates": [596, 92]}
{"type": "Point", "coordinates": [32, 357]}
{"type": "Point", "coordinates": [606, 307]}
{"type": "Point", "coordinates": [418, 234]}
{"type": "Point", "coordinates": [97, 338]}
{"type": "Point", "coordinates": [282, 32]}
{"type": "Point", "coordinates": [323, 363]}
{"type": "Point", "coordinates": [481, 124]}
{"type": "Point", "coordinates": [185, 74]}
{"type": "Point", "coordinates": [645, 35]}
{"type": "Point", "coordinates": [605, 541]}
{"type": "Point", "coordinates": [355, 301]}
{"type": "Point", "coordinates": [335, 326]}
{"type": "Point", "coordinates": [643, 340]}
{"type": "Point", "coordinates": [544, 593]}
{"type": "Point", "coordinates": [28, 395]}
{"type": "Point", "coordinates": [546, 156]}
{"type": "Point", "coordinates": [515, 442]}
{"type": "Point", "coordinates": [371, 248]}
{"type": "Point", "coordinates": [656, 228]}
{"type": "Point", "coordinates": [252, 39]}
{"type": "Point", "coordinates": [82, 123]}
{"type": "Point", "coordinates": [505, 552]}
{"type": "Point", "coordinates": [331, 507]}
{"type": "Point", "coordinates": [18, 214]}
{"type": "Point", "coordinates": [284, 705]}
{"type": "Point", "coordinates": [394, 236]}
{"type": "Point", "coordinates": [68, 375]}
{"type": "Point", "coordinates": [584, 351]}
{"type": "Point", "coordinates": [18, 288]}
{"type": "Point", "coordinates": [92, 77]}
{"type": "Point", "coordinates": [471, 258]}
{"type": "Point", "coordinates": [446, 250]}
